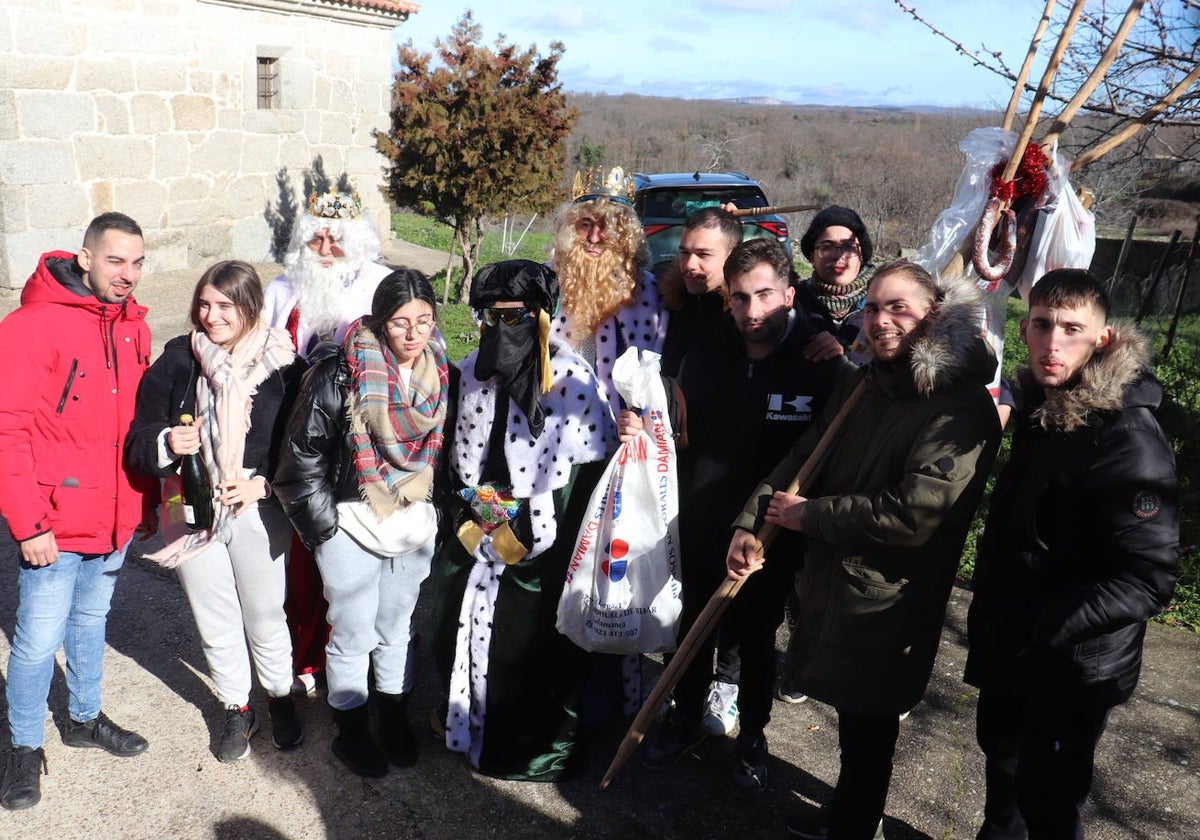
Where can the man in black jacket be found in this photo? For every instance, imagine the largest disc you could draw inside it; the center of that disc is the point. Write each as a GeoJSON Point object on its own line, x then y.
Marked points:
{"type": "Point", "coordinates": [1081, 548]}
{"type": "Point", "coordinates": [750, 393]}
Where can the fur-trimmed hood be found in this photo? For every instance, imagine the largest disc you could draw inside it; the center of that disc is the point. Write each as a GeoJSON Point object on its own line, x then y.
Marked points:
{"type": "Point", "coordinates": [1116, 377]}
{"type": "Point", "coordinates": [951, 350]}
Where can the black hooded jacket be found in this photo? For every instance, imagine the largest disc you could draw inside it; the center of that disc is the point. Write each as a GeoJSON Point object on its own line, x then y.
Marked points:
{"type": "Point", "coordinates": [1081, 545]}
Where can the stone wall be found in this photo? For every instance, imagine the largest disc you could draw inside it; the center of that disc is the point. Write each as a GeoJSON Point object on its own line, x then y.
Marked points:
{"type": "Point", "coordinates": [150, 107]}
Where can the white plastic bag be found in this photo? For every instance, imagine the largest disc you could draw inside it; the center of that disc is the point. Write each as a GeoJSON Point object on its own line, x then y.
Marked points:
{"type": "Point", "coordinates": [623, 590]}
{"type": "Point", "coordinates": [1065, 236]}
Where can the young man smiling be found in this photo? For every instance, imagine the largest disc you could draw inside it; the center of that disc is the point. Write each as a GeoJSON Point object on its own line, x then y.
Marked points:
{"type": "Point", "coordinates": [1080, 549]}
{"type": "Point", "coordinates": [884, 518]}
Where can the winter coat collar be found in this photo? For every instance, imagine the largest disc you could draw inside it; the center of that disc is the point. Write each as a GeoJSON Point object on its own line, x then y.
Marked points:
{"type": "Point", "coordinates": [1114, 378]}
{"type": "Point", "coordinates": [950, 350]}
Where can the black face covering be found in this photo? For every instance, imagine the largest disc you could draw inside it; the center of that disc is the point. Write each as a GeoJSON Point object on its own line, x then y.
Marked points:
{"type": "Point", "coordinates": [510, 354]}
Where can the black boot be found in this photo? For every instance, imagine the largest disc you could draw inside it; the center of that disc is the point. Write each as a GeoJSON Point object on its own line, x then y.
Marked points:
{"type": "Point", "coordinates": [354, 745]}
{"type": "Point", "coordinates": [398, 740]}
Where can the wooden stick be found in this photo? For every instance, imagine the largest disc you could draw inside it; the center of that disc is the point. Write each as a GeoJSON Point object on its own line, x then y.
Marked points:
{"type": "Point", "coordinates": [1096, 152]}
{"type": "Point", "coordinates": [1098, 72]}
{"type": "Point", "coordinates": [780, 208]}
{"type": "Point", "coordinates": [1039, 97]}
{"type": "Point", "coordinates": [1010, 113]}
{"type": "Point", "coordinates": [707, 621]}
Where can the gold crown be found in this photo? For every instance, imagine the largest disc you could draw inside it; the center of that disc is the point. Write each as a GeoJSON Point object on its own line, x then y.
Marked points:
{"type": "Point", "coordinates": [593, 183]}
{"type": "Point", "coordinates": [335, 205]}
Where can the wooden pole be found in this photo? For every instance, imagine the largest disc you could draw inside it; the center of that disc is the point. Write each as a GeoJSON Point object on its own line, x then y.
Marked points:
{"type": "Point", "coordinates": [1010, 114]}
{"type": "Point", "coordinates": [1144, 307]}
{"type": "Point", "coordinates": [1124, 255]}
{"type": "Point", "coordinates": [742, 212]}
{"type": "Point", "coordinates": [1035, 109]}
{"type": "Point", "coordinates": [1098, 72]}
{"type": "Point", "coordinates": [707, 621]}
{"type": "Point", "coordinates": [1187, 273]}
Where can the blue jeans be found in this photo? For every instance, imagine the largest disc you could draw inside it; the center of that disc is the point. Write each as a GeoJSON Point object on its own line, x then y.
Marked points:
{"type": "Point", "coordinates": [63, 604]}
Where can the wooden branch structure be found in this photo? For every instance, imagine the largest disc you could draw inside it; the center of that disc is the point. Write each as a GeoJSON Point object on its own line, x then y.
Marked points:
{"type": "Point", "coordinates": [709, 617]}
{"type": "Point", "coordinates": [1010, 113]}
{"type": "Point", "coordinates": [742, 212]}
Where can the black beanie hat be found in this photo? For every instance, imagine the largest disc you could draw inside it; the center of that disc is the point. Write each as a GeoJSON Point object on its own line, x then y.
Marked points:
{"type": "Point", "coordinates": [534, 284]}
{"type": "Point", "coordinates": [835, 216]}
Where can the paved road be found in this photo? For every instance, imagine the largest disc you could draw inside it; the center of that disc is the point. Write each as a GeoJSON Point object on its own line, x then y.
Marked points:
{"type": "Point", "coordinates": [1147, 781]}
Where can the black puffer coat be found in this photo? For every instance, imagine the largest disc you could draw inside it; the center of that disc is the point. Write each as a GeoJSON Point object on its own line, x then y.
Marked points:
{"type": "Point", "coordinates": [1082, 539]}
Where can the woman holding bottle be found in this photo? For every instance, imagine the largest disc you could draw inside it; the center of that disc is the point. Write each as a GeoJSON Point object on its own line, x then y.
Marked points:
{"type": "Point", "coordinates": [356, 477]}
{"type": "Point", "coordinates": [237, 377]}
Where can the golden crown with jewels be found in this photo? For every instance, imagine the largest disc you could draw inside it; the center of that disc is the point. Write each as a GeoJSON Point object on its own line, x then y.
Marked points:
{"type": "Point", "coordinates": [593, 183]}
{"type": "Point", "coordinates": [335, 205]}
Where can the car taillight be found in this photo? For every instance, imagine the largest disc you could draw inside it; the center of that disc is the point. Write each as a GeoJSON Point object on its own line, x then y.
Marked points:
{"type": "Point", "coordinates": [650, 230]}
{"type": "Point", "coordinates": [775, 228]}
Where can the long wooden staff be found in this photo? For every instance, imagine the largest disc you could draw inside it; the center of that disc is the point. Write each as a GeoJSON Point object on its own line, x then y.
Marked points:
{"type": "Point", "coordinates": [706, 622]}
{"type": "Point", "coordinates": [780, 208]}
{"type": "Point", "coordinates": [1010, 113]}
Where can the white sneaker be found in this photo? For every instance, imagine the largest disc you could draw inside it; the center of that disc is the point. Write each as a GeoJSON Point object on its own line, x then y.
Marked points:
{"type": "Point", "coordinates": [721, 709]}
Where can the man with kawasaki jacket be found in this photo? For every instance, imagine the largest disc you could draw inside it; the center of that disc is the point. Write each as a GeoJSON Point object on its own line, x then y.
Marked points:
{"type": "Point", "coordinates": [1080, 549]}
{"type": "Point", "coordinates": [750, 393]}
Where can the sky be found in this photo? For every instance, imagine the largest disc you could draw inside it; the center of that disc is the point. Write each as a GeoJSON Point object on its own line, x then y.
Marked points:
{"type": "Point", "coordinates": [810, 52]}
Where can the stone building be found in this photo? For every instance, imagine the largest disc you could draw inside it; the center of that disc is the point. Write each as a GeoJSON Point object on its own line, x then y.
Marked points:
{"type": "Point", "coordinates": [202, 119]}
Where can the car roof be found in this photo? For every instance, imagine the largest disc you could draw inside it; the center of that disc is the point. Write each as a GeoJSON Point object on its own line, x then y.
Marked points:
{"type": "Point", "coordinates": [692, 179]}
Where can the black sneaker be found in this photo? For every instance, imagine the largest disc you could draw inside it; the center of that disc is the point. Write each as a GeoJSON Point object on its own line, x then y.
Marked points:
{"type": "Point", "coordinates": [240, 726]}
{"type": "Point", "coordinates": [750, 766]}
{"type": "Point", "coordinates": [22, 785]}
{"type": "Point", "coordinates": [103, 733]}
{"type": "Point", "coordinates": [286, 731]}
{"type": "Point", "coordinates": [813, 824]}
{"type": "Point", "coordinates": [673, 739]}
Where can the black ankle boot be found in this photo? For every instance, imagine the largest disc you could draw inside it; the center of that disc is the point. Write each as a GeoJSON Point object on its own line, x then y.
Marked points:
{"type": "Point", "coordinates": [398, 740]}
{"type": "Point", "coordinates": [354, 745]}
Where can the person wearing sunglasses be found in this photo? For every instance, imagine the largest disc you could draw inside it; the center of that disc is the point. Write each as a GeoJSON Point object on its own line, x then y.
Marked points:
{"type": "Point", "coordinates": [356, 479]}
{"type": "Point", "coordinates": [531, 435]}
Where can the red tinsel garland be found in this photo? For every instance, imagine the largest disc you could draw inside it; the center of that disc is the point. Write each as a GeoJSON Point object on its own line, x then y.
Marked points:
{"type": "Point", "coordinates": [1030, 178]}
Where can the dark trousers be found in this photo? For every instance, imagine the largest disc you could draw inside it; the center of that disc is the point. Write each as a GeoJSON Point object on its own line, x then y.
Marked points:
{"type": "Point", "coordinates": [867, 744]}
{"type": "Point", "coordinates": [749, 625]}
{"type": "Point", "coordinates": [1039, 759]}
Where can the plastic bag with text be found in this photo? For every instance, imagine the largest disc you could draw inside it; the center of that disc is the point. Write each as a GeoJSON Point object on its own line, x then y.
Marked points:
{"type": "Point", "coordinates": [622, 593]}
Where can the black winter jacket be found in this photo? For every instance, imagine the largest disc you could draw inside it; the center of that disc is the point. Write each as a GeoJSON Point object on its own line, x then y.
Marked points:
{"type": "Point", "coordinates": [743, 416]}
{"type": "Point", "coordinates": [1082, 539]}
{"type": "Point", "coordinates": [316, 464]}
{"type": "Point", "coordinates": [169, 390]}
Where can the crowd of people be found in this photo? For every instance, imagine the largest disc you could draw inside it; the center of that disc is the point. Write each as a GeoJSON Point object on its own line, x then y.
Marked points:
{"type": "Point", "coordinates": [842, 419]}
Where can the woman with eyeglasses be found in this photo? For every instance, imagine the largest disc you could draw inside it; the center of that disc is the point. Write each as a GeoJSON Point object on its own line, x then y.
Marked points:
{"type": "Point", "coordinates": [356, 479]}
{"type": "Point", "coordinates": [829, 304]}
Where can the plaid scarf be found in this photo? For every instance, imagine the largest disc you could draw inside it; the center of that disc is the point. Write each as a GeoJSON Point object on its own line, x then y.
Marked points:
{"type": "Point", "coordinates": [840, 301]}
{"type": "Point", "coordinates": [395, 437]}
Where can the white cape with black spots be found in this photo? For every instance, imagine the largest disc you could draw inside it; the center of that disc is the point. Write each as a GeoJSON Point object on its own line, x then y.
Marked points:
{"type": "Point", "coordinates": [579, 430]}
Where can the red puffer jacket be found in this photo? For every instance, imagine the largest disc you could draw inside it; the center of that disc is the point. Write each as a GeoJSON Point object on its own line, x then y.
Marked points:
{"type": "Point", "coordinates": [72, 365]}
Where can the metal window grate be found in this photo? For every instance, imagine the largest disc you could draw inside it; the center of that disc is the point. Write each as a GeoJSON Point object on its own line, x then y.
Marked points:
{"type": "Point", "coordinates": [268, 82]}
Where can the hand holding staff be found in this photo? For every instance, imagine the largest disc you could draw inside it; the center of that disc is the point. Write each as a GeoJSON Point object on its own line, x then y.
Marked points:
{"type": "Point", "coordinates": [706, 622]}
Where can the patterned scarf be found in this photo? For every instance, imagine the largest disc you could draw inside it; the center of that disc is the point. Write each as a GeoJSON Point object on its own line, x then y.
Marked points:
{"type": "Point", "coordinates": [395, 436]}
{"type": "Point", "coordinates": [224, 393]}
{"type": "Point", "coordinates": [840, 301]}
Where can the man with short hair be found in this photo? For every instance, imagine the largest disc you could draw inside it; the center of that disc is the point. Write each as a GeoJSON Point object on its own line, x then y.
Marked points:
{"type": "Point", "coordinates": [1080, 550]}
{"type": "Point", "coordinates": [333, 268]}
{"type": "Point", "coordinates": [693, 285]}
{"type": "Point", "coordinates": [74, 354]}
{"type": "Point", "coordinates": [884, 517]}
{"type": "Point", "coordinates": [750, 392]}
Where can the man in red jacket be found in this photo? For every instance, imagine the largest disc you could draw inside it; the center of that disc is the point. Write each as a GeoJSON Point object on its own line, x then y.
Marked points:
{"type": "Point", "coordinates": [74, 353]}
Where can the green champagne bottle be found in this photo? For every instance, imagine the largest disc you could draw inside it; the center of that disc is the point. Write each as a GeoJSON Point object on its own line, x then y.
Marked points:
{"type": "Point", "coordinates": [197, 487]}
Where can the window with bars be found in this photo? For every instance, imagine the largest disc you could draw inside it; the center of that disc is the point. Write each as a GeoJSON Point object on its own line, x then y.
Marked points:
{"type": "Point", "coordinates": [268, 82]}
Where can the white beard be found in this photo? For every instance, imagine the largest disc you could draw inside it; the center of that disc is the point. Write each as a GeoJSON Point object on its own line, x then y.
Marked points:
{"type": "Point", "coordinates": [320, 291]}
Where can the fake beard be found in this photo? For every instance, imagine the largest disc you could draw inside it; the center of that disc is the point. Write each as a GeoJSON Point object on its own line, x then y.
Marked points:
{"type": "Point", "coordinates": [321, 290]}
{"type": "Point", "coordinates": [593, 288]}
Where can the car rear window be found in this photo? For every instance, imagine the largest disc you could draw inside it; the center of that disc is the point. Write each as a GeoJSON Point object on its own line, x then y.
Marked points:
{"type": "Point", "coordinates": [683, 202]}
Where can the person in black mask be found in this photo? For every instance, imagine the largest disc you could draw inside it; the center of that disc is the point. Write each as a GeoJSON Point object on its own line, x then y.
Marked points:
{"type": "Point", "coordinates": [528, 440]}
